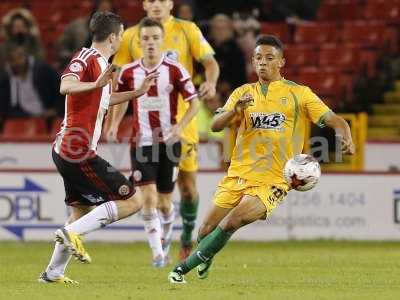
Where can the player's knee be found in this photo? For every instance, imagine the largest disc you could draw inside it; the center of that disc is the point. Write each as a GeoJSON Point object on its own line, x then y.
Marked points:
{"type": "Point", "coordinates": [149, 201]}
{"type": "Point", "coordinates": [164, 203]}
{"type": "Point", "coordinates": [187, 185]}
{"type": "Point", "coordinates": [134, 203]}
{"type": "Point", "coordinates": [188, 191]}
{"type": "Point", "coordinates": [233, 223]}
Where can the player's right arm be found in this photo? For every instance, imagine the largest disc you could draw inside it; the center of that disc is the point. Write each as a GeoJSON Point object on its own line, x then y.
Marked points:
{"type": "Point", "coordinates": [71, 83]}
{"type": "Point", "coordinates": [233, 108]}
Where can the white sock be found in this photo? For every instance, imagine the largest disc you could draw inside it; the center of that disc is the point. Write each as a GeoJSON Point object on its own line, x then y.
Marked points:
{"type": "Point", "coordinates": [152, 226]}
{"type": "Point", "coordinates": [58, 261]}
{"type": "Point", "coordinates": [167, 222]}
{"type": "Point", "coordinates": [99, 217]}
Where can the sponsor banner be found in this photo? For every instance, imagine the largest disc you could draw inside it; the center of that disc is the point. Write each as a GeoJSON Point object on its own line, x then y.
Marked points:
{"type": "Point", "coordinates": [378, 157]}
{"type": "Point", "coordinates": [360, 207]}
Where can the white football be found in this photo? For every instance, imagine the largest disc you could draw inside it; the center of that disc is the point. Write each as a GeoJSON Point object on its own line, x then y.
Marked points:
{"type": "Point", "coordinates": [302, 172]}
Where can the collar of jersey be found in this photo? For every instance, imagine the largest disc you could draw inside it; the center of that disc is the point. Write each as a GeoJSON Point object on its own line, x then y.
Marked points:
{"type": "Point", "coordinates": [98, 52]}
{"type": "Point", "coordinates": [154, 68]}
{"type": "Point", "coordinates": [168, 21]}
{"type": "Point", "coordinates": [272, 85]}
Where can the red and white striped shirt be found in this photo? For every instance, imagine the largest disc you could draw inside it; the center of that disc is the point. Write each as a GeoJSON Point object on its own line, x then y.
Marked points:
{"type": "Point", "coordinates": [84, 112]}
{"type": "Point", "coordinates": [155, 112]}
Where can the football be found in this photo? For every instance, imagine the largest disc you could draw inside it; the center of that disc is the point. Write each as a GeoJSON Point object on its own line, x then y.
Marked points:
{"type": "Point", "coordinates": [302, 172]}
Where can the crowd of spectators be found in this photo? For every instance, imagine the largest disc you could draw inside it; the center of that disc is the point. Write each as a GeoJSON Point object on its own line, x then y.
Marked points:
{"type": "Point", "coordinates": [29, 83]}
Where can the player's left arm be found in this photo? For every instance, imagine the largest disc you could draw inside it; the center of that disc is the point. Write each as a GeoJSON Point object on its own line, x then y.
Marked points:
{"type": "Point", "coordinates": [320, 114]}
{"type": "Point", "coordinates": [342, 130]}
{"type": "Point", "coordinates": [175, 132]}
{"type": "Point", "coordinates": [207, 89]}
{"type": "Point", "coordinates": [204, 53]}
{"type": "Point", "coordinates": [120, 97]}
{"type": "Point", "coordinates": [185, 86]}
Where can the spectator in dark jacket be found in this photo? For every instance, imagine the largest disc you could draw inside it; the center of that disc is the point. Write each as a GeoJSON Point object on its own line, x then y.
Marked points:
{"type": "Point", "coordinates": [28, 87]}
{"type": "Point", "coordinates": [19, 27]}
{"type": "Point", "coordinates": [228, 54]}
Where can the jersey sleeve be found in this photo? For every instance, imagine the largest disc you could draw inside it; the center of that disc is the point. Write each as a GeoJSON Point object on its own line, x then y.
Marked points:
{"type": "Point", "coordinates": [76, 68]}
{"type": "Point", "coordinates": [199, 46]}
{"type": "Point", "coordinates": [315, 110]}
{"type": "Point", "coordinates": [123, 55]}
{"type": "Point", "coordinates": [185, 84]}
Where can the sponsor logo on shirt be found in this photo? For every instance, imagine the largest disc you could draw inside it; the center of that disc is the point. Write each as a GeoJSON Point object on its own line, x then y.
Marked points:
{"type": "Point", "coordinates": [267, 121]}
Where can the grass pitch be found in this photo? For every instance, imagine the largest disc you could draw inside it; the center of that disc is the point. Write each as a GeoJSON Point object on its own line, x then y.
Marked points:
{"type": "Point", "coordinates": [279, 270]}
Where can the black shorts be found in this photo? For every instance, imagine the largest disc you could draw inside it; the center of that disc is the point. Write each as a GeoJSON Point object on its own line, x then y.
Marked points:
{"type": "Point", "coordinates": [92, 181]}
{"type": "Point", "coordinates": [156, 164]}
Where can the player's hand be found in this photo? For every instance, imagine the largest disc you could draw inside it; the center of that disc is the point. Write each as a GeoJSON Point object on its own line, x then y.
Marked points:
{"type": "Point", "coordinates": [105, 77]}
{"type": "Point", "coordinates": [347, 146]}
{"type": "Point", "coordinates": [207, 90]}
{"type": "Point", "coordinates": [173, 135]}
{"type": "Point", "coordinates": [148, 81]}
{"type": "Point", "coordinates": [244, 102]}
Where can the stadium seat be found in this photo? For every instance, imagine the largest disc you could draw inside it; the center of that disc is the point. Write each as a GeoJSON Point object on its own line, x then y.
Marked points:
{"type": "Point", "coordinates": [346, 57]}
{"type": "Point", "coordinates": [338, 11]}
{"type": "Point", "coordinates": [316, 33]}
{"type": "Point", "coordinates": [368, 34]}
{"type": "Point", "coordinates": [300, 55]}
{"type": "Point", "coordinates": [281, 30]}
{"type": "Point", "coordinates": [386, 10]}
{"type": "Point", "coordinates": [24, 130]}
{"type": "Point", "coordinates": [325, 82]}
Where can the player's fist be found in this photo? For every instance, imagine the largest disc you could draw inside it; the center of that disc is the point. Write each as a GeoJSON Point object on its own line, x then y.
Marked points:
{"type": "Point", "coordinates": [346, 145]}
{"type": "Point", "coordinates": [244, 102]}
{"type": "Point", "coordinates": [148, 81]}
{"type": "Point", "coordinates": [207, 90]}
{"type": "Point", "coordinates": [105, 77]}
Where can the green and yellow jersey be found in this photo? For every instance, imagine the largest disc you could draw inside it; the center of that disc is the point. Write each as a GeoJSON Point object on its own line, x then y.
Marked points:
{"type": "Point", "coordinates": [272, 130]}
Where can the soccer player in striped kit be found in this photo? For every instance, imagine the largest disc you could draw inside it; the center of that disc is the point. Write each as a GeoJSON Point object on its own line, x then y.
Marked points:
{"type": "Point", "coordinates": [184, 42]}
{"type": "Point", "coordinates": [156, 134]}
{"type": "Point", "coordinates": [96, 192]}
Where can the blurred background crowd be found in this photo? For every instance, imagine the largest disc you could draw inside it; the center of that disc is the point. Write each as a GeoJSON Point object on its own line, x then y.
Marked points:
{"type": "Point", "coordinates": [345, 50]}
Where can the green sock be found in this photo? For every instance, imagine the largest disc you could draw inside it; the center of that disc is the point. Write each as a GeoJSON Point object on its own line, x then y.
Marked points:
{"type": "Point", "coordinates": [208, 247]}
{"type": "Point", "coordinates": [188, 210]}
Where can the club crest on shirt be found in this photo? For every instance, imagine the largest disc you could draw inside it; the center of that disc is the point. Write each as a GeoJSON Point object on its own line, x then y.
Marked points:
{"type": "Point", "coordinates": [172, 54]}
{"type": "Point", "coordinates": [261, 120]}
{"type": "Point", "coordinates": [284, 101]}
{"type": "Point", "coordinates": [76, 67]}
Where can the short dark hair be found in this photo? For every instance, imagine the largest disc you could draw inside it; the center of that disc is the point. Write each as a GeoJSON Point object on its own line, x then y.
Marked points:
{"type": "Point", "coordinates": [149, 22]}
{"type": "Point", "coordinates": [270, 40]}
{"type": "Point", "coordinates": [102, 24]}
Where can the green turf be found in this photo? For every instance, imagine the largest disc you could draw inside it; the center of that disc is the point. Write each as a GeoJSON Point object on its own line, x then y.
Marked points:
{"type": "Point", "coordinates": [284, 270]}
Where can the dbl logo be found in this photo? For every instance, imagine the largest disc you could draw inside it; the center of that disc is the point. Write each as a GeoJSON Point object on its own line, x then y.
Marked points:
{"type": "Point", "coordinates": [22, 203]}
